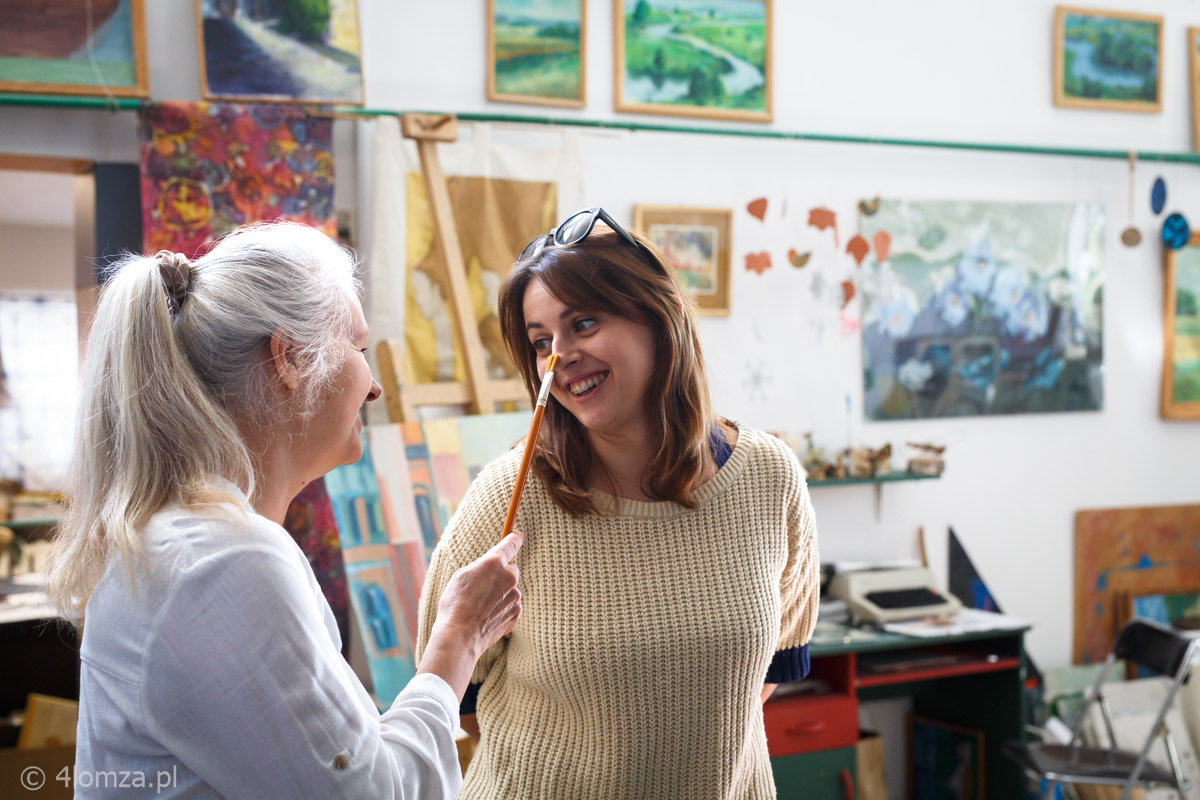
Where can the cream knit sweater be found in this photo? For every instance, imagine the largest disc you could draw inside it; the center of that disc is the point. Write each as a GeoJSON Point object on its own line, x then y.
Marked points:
{"type": "Point", "coordinates": [636, 668]}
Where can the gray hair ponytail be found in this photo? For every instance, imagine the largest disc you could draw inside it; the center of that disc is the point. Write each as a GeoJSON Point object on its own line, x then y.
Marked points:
{"type": "Point", "coordinates": [176, 370]}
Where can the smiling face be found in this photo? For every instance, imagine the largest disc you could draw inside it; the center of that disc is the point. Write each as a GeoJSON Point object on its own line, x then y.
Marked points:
{"type": "Point", "coordinates": [334, 433]}
{"type": "Point", "coordinates": [606, 362]}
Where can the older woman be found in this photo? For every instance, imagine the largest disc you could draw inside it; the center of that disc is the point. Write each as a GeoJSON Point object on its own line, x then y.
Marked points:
{"type": "Point", "coordinates": [211, 662]}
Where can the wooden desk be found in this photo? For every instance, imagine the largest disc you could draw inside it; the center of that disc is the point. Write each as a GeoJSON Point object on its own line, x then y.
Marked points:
{"type": "Point", "coordinates": [972, 680]}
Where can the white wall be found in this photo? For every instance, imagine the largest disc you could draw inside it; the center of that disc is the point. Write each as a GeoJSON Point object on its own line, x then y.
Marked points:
{"type": "Point", "coordinates": [933, 69]}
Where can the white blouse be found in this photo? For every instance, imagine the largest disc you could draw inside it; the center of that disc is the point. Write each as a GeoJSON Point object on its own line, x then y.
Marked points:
{"type": "Point", "coordinates": [221, 675]}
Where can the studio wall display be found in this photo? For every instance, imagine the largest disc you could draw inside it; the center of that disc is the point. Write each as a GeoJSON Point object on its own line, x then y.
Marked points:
{"type": "Point", "coordinates": [1107, 59]}
{"type": "Point", "coordinates": [982, 308]}
{"type": "Point", "coordinates": [209, 167]}
{"type": "Point", "coordinates": [537, 52]}
{"type": "Point", "coordinates": [1181, 334]}
{"type": "Point", "coordinates": [286, 50]}
{"type": "Point", "coordinates": [696, 241]}
{"type": "Point", "coordinates": [693, 58]}
{"type": "Point", "coordinates": [69, 47]}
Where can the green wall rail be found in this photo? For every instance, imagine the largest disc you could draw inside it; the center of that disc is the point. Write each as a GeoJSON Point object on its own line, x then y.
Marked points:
{"type": "Point", "coordinates": [126, 104]}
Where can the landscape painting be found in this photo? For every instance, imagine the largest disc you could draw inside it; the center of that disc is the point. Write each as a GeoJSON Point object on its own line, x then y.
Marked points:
{"type": "Point", "coordinates": [695, 58]}
{"type": "Point", "coordinates": [1107, 60]}
{"type": "Point", "coordinates": [69, 47]}
{"type": "Point", "coordinates": [299, 50]}
{"type": "Point", "coordinates": [696, 244]}
{"type": "Point", "coordinates": [537, 51]}
{"type": "Point", "coordinates": [982, 309]}
{"type": "Point", "coordinates": [1181, 314]}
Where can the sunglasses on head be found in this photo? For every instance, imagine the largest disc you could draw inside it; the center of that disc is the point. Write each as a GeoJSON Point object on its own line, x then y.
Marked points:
{"type": "Point", "coordinates": [575, 228]}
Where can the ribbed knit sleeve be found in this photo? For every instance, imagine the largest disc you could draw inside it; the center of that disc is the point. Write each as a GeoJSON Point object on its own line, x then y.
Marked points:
{"type": "Point", "coordinates": [800, 585]}
{"type": "Point", "coordinates": [471, 532]}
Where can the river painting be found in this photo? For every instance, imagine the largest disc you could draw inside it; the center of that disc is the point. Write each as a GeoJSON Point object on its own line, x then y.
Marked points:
{"type": "Point", "coordinates": [537, 48]}
{"type": "Point", "coordinates": [982, 309]}
{"type": "Point", "coordinates": [1109, 59]}
{"type": "Point", "coordinates": [1185, 357]}
{"type": "Point", "coordinates": [696, 57]}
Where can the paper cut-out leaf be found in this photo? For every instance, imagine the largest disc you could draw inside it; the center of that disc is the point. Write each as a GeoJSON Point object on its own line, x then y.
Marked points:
{"type": "Point", "coordinates": [758, 262]}
{"type": "Point", "coordinates": [822, 218]}
{"type": "Point", "coordinates": [799, 260]}
{"type": "Point", "coordinates": [758, 208]}
{"type": "Point", "coordinates": [847, 292]}
{"type": "Point", "coordinates": [858, 248]}
{"type": "Point", "coordinates": [883, 245]}
{"type": "Point", "coordinates": [868, 207]}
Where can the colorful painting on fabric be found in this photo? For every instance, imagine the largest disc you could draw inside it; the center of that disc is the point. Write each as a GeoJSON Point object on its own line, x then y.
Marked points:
{"type": "Point", "coordinates": [310, 521]}
{"type": "Point", "coordinates": [983, 308]}
{"type": "Point", "coordinates": [495, 219]}
{"type": "Point", "coordinates": [210, 167]}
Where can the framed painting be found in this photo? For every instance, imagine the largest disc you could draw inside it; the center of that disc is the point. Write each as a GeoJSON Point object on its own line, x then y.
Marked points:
{"type": "Point", "coordinates": [537, 52]}
{"type": "Point", "coordinates": [299, 51]}
{"type": "Point", "coordinates": [1181, 333]}
{"type": "Point", "coordinates": [693, 58]}
{"type": "Point", "coordinates": [696, 242]}
{"type": "Point", "coordinates": [1193, 39]}
{"type": "Point", "coordinates": [946, 762]}
{"type": "Point", "coordinates": [1107, 60]}
{"type": "Point", "coordinates": [69, 47]}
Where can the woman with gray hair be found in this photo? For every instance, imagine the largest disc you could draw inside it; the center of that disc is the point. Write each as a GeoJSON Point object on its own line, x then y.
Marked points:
{"type": "Point", "coordinates": [213, 393]}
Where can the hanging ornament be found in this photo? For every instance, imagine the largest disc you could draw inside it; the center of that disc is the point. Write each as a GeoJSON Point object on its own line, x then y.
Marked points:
{"type": "Point", "coordinates": [868, 208]}
{"type": "Point", "coordinates": [1175, 231]}
{"type": "Point", "coordinates": [1158, 195]}
{"type": "Point", "coordinates": [1131, 236]}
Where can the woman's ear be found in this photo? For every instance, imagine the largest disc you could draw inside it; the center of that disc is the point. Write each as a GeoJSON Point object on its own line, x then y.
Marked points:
{"type": "Point", "coordinates": [281, 361]}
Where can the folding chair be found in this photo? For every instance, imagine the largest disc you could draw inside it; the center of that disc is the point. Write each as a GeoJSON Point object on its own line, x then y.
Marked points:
{"type": "Point", "coordinates": [1147, 644]}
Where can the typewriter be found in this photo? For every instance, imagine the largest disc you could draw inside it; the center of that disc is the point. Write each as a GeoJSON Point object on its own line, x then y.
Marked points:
{"type": "Point", "coordinates": [890, 595]}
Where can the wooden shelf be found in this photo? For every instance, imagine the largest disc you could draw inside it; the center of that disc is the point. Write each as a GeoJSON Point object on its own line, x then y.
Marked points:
{"type": "Point", "coordinates": [892, 477]}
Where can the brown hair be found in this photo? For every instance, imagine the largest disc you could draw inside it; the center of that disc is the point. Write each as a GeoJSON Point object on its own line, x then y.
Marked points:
{"type": "Point", "coordinates": [603, 273]}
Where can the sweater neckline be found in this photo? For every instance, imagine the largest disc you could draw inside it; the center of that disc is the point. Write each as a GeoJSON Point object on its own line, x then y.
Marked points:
{"type": "Point", "coordinates": [623, 507]}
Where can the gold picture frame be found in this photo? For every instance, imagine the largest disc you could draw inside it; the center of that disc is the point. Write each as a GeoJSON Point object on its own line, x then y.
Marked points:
{"type": "Point", "coordinates": [1087, 91]}
{"type": "Point", "coordinates": [68, 69]}
{"type": "Point", "coordinates": [340, 90]}
{"type": "Point", "coordinates": [698, 244]}
{"type": "Point", "coordinates": [1181, 338]}
{"type": "Point", "coordinates": [497, 92]}
{"type": "Point", "coordinates": [1193, 39]}
{"type": "Point", "coordinates": [673, 83]}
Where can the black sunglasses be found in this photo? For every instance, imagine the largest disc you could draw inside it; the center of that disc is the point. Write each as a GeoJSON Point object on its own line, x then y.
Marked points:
{"type": "Point", "coordinates": [575, 228]}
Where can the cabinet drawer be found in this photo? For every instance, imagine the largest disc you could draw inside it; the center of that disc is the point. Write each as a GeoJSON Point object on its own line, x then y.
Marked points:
{"type": "Point", "coordinates": [805, 724]}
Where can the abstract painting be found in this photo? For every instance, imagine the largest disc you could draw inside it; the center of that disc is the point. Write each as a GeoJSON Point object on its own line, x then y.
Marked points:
{"type": "Point", "coordinates": [693, 58]}
{"type": "Point", "coordinates": [209, 167]}
{"type": "Point", "coordinates": [285, 50]}
{"type": "Point", "coordinates": [1107, 59]}
{"type": "Point", "coordinates": [310, 521]}
{"type": "Point", "coordinates": [697, 244]}
{"type": "Point", "coordinates": [1181, 335]}
{"type": "Point", "coordinates": [537, 51]}
{"type": "Point", "coordinates": [981, 309]}
{"type": "Point", "coordinates": [69, 47]}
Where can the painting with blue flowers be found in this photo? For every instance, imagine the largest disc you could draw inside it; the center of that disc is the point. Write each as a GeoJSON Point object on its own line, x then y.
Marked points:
{"type": "Point", "coordinates": [983, 308]}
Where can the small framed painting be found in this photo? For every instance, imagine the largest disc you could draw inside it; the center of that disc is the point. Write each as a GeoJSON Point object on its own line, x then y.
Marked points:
{"type": "Point", "coordinates": [537, 52]}
{"type": "Point", "coordinates": [1193, 39]}
{"type": "Point", "coordinates": [71, 47]}
{"type": "Point", "coordinates": [693, 58]}
{"type": "Point", "coordinates": [1108, 60]}
{"type": "Point", "coordinates": [302, 51]}
{"type": "Point", "coordinates": [946, 761]}
{"type": "Point", "coordinates": [1181, 334]}
{"type": "Point", "coordinates": [696, 242]}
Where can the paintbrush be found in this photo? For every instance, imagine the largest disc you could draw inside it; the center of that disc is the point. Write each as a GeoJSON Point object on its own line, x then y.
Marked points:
{"type": "Point", "coordinates": [535, 428]}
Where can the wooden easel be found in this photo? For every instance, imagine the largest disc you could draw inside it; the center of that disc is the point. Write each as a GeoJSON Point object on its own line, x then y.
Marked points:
{"type": "Point", "coordinates": [478, 392]}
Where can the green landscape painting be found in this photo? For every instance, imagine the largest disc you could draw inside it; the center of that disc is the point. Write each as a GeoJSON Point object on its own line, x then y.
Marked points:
{"type": "Point", "coordinates": [1186, 356]}
{"type": "Point", "coordinates": [696, 57]}
{"type": "Point", "coordinates": [1110, 59]}
{"type": "Point", "coordinates": [537, 51]}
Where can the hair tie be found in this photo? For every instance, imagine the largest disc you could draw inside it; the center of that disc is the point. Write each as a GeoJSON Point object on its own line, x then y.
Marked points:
{"type": "Point", "coordinates": [176, 272]}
